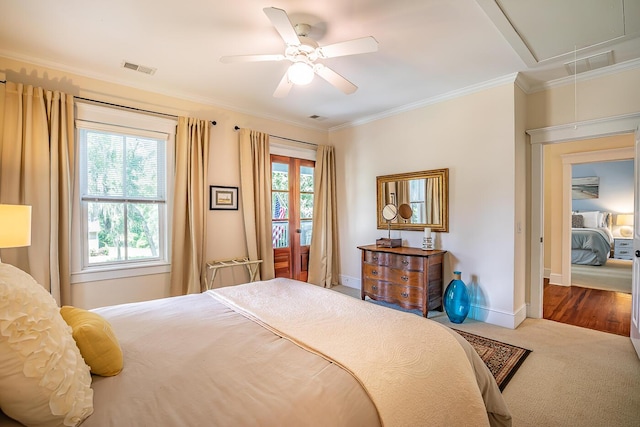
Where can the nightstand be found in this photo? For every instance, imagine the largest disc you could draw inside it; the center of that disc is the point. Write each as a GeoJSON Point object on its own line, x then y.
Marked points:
{"type": "Point", "coordinates": [622, 248]}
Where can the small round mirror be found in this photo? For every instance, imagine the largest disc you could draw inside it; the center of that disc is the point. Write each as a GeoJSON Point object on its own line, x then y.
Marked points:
{"type": "Point", "coordinates": [389, 212]}
{"type": "Point", "coordinates": [405, 211]}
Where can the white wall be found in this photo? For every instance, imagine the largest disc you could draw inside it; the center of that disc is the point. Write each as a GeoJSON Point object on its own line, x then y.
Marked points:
{"type": "Point", "coordinates": [478, 146]}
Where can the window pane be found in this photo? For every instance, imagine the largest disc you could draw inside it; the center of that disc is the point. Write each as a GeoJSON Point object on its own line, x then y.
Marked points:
{"type": "Point", "coordinates": [306, 206]}
{"type": "Point", "coordinates": [105, 232]}
{"type": "Point", "coordinates": [306, 179]}
{"type": "Point", "coordinates": [280, 176]}
{"type": "Point", "coordinates": [279, 205]}
{"type": "Point", "coordinates": [143, 232]}
{"type": "Point", "coordinates": [105, 159]}
{"type": "Point", "coordinates": [142, 167]}
{"type": "Point", "coordinates": [305, 236]}
{"type": "Point", "coordinates": [280, 234]}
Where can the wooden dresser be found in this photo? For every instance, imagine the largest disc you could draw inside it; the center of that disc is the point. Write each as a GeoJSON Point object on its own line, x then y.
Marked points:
{"type": "Point", "coordinates": [409, 277]}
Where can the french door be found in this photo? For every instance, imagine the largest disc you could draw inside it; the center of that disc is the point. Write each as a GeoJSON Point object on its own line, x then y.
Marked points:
{"type": "Point", "coordinates": [292, 215]}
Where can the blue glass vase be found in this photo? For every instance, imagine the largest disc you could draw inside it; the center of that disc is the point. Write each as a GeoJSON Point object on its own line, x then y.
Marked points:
{"type": "Point", "coordinates": [456, 299]}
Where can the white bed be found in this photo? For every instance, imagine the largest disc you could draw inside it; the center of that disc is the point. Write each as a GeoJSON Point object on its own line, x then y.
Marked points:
{"type": "Point", "coordinates": [282, 352]}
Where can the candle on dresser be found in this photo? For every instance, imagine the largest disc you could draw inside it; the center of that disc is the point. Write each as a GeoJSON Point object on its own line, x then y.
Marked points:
{"type": "Point", "coordinates": [427, 232]}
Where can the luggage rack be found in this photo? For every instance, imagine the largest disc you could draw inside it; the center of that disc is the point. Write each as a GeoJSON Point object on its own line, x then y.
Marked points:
{"type": "Point", "coordinates": [214, 266]}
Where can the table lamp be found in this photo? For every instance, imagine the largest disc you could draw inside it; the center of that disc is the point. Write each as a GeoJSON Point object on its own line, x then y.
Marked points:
{"type": "Point", "coordinates": [15, 226]}
{"type": "Point", "coordinates": [626, 223]}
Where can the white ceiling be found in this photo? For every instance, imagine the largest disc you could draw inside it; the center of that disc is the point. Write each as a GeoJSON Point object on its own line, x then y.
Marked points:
{"type": "Point", "coordinates": [428, 49]}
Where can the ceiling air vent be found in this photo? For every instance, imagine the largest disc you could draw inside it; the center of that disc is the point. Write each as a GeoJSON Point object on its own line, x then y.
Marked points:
{"type": "Point", "coordinates": [140, 68]}
{"type": "Point", "coordinates": [590, 63]}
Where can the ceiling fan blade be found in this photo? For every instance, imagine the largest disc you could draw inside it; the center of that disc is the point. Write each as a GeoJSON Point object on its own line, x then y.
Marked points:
{"type": "Point", "coordinates": [284, 87]}
{"type": "Point", "coordinates": [335, 79]}
{"type": "Point", "coordinates": [282, 24]}
{"type": "Point", "coordinates": [349, 47]}
{"type": "Point", "coordinates": [250, 58]}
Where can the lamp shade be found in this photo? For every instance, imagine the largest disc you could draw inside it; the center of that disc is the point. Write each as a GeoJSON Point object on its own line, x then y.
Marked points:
{"type": "Point", "coordinates": [15, 226]}
{"type": "Point", "coordinates": [624, 219]}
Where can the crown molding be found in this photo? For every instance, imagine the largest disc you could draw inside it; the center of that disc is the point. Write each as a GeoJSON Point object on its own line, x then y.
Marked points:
{"type": "Point", "coordinates": [500, 81]}
{"type": "Point", "coordinates": [587, 75]}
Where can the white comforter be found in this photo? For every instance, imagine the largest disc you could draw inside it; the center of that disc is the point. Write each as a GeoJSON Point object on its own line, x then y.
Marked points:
{"type": "Point", "coordinates": [413, 368]}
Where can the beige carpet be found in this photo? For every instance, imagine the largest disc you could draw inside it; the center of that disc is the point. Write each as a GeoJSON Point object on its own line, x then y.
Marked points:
{"type": "Point", "coordinates": [615, 275]}
{"type": "Point", "coordinates": [574, 376]}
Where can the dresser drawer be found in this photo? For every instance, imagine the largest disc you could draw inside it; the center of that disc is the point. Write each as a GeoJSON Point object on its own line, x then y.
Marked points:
{"type": "Point", "coordinates": [404, 262]}
{"type": "Point", "coordinates": [406, 296]}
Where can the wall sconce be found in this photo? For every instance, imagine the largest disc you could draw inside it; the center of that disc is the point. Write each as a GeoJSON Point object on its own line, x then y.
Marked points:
{"type": "Point", "coordinates": [15, 226]}
{"type": "Point", "coordinates": [625, 221]}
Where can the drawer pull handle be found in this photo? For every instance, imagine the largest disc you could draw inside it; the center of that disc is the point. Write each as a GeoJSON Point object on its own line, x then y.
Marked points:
{"type": "Point", "coordinates": [374, 287]}
{"type": "Point", "coordinates": [405, 278]}
{"type": "Point", "coordinates": [405, 294]}
{"type": "Point", "coordinates": [374, 272]}
{"type": "Point", "coordinates": [375, 258]}
{"type": "Point", "coordinates": [405, 262]}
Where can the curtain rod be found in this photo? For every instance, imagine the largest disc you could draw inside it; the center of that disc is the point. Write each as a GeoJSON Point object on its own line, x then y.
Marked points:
{"type": "Point", "coordinates": [286, 139]}
{"type": "Point", "coordinates": [213, 122]}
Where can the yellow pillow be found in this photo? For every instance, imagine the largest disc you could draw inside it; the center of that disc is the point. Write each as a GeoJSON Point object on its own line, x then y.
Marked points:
{"type": "Point", "coordinates": [94, 336]}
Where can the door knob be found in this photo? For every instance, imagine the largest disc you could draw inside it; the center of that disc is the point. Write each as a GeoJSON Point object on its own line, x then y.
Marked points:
{"type": "Point", "coordinates": [298, 230]}
{"type": "Point", "coordinates": [638, 254]}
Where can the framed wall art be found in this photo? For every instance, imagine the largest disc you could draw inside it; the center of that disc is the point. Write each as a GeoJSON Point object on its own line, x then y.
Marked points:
{"type": "Point", "coordinates": [223, 198]}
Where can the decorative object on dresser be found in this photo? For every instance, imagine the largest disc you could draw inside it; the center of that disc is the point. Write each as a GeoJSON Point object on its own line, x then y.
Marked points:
{"type": "Point", "coordinates": [408, 277]}
{"type": "Point", "coordinates": [456, 299]}
{"type": "Point", "coordinates": [389, 213]}
{"type": "Point", "coordinates": [623, 248]}
{"type": "Point", "coordinates": [428, 241]}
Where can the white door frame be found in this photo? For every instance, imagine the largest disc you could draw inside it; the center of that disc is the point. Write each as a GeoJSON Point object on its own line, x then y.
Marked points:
{"type": "Point", "coordinates": [609, 126]}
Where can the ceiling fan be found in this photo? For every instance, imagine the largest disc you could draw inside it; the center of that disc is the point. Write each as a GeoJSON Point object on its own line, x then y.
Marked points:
{"type": "Point", "coordinates": [303, 52]}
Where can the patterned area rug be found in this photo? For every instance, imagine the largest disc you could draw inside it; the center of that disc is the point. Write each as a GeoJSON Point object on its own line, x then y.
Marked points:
{"type": "Point", "coordinates": [503, 360]}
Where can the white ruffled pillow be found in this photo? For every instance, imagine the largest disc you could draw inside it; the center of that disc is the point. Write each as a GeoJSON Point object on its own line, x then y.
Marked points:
{"type": "Point", "coordinates": [43, 378]}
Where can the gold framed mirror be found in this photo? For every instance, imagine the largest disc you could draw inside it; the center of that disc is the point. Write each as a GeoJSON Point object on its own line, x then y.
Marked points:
{"type": "Point", "coordinates": [426, 193]}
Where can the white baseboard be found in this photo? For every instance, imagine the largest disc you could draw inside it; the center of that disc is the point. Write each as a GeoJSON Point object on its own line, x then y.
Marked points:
{"type": "Point", "coordinates": [350, 282]}
{"type": "Point", "coordinates": [480, 313]}
{"type": "Point", "coordinates": [557, 279]}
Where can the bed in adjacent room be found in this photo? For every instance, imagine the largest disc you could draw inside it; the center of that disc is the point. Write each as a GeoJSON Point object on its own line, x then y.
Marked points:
{"type": "Point", "coordinates": [591, 238]}
{"type": "Point", "coordinates": [282, 352]}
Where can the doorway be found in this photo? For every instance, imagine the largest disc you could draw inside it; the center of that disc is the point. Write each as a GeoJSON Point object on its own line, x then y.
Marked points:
{"type": "Point", "coordinates": [564, 300]}
{"type": "Point", "coordinates": [552, 135]}
{"type": "Point", "coordinates": [292, 215]}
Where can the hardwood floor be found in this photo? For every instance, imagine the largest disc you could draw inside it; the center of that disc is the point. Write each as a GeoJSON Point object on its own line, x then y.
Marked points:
{"type": "Point", "coordinates": [604, 311]}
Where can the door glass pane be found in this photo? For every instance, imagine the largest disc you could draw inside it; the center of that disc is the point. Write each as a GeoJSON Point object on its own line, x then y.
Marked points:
{"type": "Point", "coordinates": [306, 206]}
{"type": "Point", "coordinates": [280, 234]}
{"type": "Point", "coordinates": [280, 176]}
{"type": "Point", "coordinates": [279, 205]}
{"type": "Point", "coordinates": [306, 179]}
{"type": "Point", "coordinates": [305, 235]}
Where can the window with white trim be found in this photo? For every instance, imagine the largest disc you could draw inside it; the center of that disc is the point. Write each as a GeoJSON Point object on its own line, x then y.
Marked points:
{"type": "Point", "coordinates": [123, 197]}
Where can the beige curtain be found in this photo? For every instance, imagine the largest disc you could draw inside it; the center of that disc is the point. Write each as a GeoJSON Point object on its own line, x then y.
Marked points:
{"type": "Point", "coordinates": [37, 168]}
{"type": "Point", "coordinates": [324, 267]}
{"type": "Point", "coordinates": [189, 231]}
{"type": "Point", "coordinates": [255, 184]}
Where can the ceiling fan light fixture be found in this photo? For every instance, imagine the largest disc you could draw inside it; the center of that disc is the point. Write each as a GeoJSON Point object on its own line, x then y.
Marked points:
{"type": "Point", "coordinates": [300, 73]}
